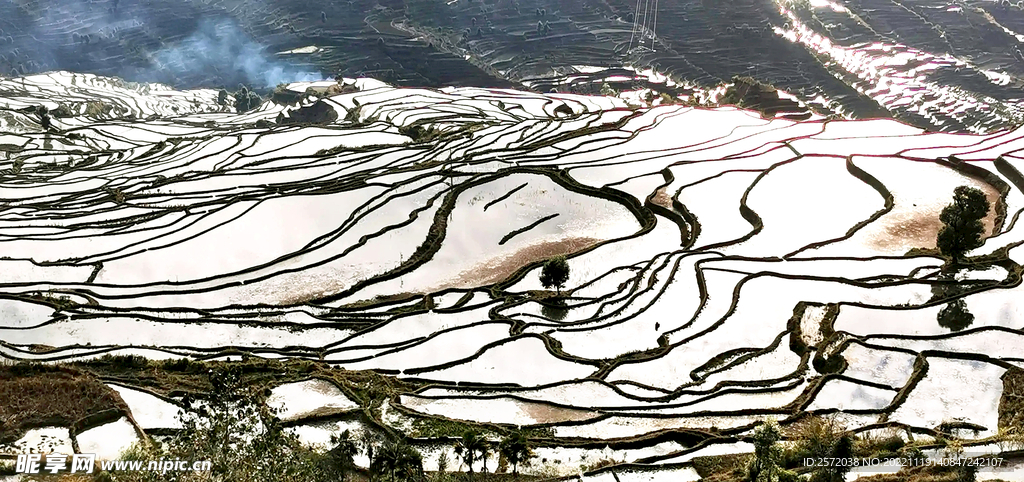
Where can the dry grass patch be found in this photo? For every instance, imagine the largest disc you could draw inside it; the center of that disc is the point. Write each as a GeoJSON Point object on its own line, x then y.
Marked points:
{"type": "Point", "coordinates": [44, 395]}
{"type": "Point", "coordinates": [879, 443]}
{"type": "Point", "coordinates": [1011, 404]}
{"type": "Point", "coordinates": [723, 468]}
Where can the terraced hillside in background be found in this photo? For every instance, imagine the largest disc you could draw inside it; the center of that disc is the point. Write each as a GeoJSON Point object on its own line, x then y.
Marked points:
{"type": "Point", "coordinates": [939, 65]}
{"type": "Point", "coordinates": [726, 268]}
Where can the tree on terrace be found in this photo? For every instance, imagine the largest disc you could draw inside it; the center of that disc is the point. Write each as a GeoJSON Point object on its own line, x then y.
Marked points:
{"type": "Point", "coordinates": [471, 448]}
{"type": "Point", "coordinates": [962, 228]}
{"type": "Point", "coordinates": [398, 462]}
{"type": "Point", "coordinates": [344, 452]}
{"type": "Point", "coordinates": [555, 272]}
{"type": "Point", "coordinates": [516, 450]}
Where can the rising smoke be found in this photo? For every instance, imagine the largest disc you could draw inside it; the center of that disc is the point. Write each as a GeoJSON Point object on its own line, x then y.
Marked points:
{"type": "Point", "coordinates": [184, 43]}
{"type": "Point", "coordinates": [221, 46]}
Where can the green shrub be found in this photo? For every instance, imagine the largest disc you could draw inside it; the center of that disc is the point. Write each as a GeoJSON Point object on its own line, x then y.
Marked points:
{"type": "Point", "coordinates": [833, 364]}
{"type": "Point", "coordinates": [819, 437]}
{"type": "Point", "coordinates": [768, 456]}
{"type": "Point", "coordinates": [121, 362]}
{"type": "Point", "coordinates": [419, 133]}
{"type": "Point", "coordinates": [185, 365]}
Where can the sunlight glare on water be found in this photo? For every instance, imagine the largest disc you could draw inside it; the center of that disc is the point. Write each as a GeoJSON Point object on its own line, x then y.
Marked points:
{"type": "Point", "coordinates": [898, 76]}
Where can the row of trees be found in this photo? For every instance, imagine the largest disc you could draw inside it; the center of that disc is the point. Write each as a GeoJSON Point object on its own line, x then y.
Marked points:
{"type": "Point", "coordinates": [474, 447]}
{"type": "Point", "coordinates": [397, 461]}
{"type": "Point", "coordinates": [245, 442]}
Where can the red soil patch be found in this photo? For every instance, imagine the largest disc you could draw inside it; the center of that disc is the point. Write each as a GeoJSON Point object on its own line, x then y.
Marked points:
{"type": "Point", "coordinates": [550, 414]}
{"type": "Point", "coordinates": [661, 198]}
{"type": "Point", "coordinates": [497, 269]}
{"type": "Point", "coordinates": [921, 227]}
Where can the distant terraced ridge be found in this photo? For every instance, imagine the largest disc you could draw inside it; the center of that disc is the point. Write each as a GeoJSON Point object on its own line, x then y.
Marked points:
{"type": "Point", "coordinates": [932, 64]}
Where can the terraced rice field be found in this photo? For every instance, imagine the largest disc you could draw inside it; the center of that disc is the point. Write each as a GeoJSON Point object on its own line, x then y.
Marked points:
{"type": "Point", "coordinates": [725, 267]}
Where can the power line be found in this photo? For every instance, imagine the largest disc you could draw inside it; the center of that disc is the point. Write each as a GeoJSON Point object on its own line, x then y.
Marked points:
{"type": "Point", "coordinates": [643, 23]}
{"type": "Point", "coordinates": [654, 26]}
{"type": "Point", "coordinates": [636, 12]}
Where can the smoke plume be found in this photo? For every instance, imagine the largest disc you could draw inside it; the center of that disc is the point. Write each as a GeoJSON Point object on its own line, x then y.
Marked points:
{"type": "Point", "coordinates": [221, 46]}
